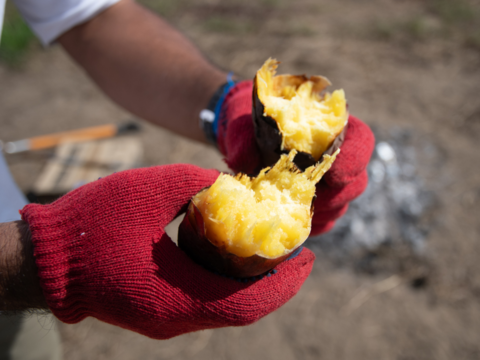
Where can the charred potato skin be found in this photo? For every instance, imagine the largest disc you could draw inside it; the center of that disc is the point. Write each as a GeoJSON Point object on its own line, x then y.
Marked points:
{"type": "Point", "coordinates": [269, 137]}
{"type": "Point", "coordinates": [194, 242]}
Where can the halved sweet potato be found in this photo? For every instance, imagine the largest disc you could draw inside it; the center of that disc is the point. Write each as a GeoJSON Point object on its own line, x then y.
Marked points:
{"type": "Point", "coordinates": [293, 112]}
{"type": "Point", "coordinates": [242, 226]}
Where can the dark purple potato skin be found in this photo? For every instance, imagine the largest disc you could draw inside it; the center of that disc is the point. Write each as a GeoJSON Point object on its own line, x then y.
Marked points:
{"type": "Point", "coordinates": [193, 241]}
{"type": "Point", "coordinates": [269, 137]}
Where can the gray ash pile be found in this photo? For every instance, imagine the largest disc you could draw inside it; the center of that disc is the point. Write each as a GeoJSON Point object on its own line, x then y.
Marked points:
{"type": "Point", "coordinates": [396, 209]}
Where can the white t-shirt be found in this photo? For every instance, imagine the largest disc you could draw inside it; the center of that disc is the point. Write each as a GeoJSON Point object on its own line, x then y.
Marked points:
{"type": "Point", "coordinates": [11, 198]}
{"type": "Point", "coordinates": [50, 18]}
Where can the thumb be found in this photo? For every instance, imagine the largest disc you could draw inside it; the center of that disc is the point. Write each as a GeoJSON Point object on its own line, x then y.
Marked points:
{"type": "Point", "coordinates": [177, 184]}
{"type": "Point", "coordinates": [236, 135]}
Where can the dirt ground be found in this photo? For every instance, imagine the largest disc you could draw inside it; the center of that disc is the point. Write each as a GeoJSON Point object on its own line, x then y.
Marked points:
{"type": "Point", "coordinates": [405, 64]}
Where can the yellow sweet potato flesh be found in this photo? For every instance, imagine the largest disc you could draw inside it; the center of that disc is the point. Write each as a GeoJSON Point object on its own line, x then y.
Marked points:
{"type": "Point", "coordinates": [308, 120]}
{"type": "Point", "coordinates": [269, 215]}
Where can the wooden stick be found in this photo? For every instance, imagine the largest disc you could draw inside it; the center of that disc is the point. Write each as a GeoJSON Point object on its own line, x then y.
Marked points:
{"type": "Point", "coordinates": [47, 141]}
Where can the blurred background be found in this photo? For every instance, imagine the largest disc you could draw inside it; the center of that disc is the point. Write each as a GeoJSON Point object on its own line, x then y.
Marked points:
{"type": "Point", "coordinates": [399, 276]}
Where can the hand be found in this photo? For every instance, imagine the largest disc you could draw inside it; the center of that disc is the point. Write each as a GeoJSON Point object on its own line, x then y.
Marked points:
{"type": "Point", "coordinates": [346, 179]}
{"type": "Point", "coordinates": [102, 251]}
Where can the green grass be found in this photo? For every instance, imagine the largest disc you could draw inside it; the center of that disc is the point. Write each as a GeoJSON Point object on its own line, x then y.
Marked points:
{"type": "Point", "coordinates": [16, 40]}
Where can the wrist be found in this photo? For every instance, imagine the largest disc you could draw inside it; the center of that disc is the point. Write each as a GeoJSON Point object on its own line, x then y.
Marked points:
{"type": "Point", "coordinates": [19, 283]}
{"type": "Point", "coordinates": [210, 116]}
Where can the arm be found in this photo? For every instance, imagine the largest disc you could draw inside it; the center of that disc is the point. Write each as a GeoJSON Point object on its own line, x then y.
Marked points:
{"type": "Point", "coordinates": [19, 284]}
{"type": "Point", "coordinates": [146, 66]}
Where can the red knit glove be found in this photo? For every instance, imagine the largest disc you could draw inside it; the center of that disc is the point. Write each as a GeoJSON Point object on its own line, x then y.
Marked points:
{"type": "Point", "coordinates": [102, 251]}
{"type": "Point", "coordinates": [346, 180]}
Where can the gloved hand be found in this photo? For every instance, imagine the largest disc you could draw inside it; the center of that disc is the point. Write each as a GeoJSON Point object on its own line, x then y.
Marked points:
{"type": "Point", "coordinates": [102, 251]}
{"type": "Point", "coordinates": [346, 179]}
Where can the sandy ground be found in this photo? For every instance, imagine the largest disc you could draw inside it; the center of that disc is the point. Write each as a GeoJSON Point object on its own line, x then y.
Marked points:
{"type": "Point", "coordinates": [427, 83]}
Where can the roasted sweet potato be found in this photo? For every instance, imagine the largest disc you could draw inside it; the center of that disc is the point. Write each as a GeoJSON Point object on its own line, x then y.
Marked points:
{"type": "Point", "coordinates": [243, 227]}
{"type": "Point", "coordinates": [293, 112]}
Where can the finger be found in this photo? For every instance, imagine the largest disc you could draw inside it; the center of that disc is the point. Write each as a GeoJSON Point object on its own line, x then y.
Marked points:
{"type": "Point", "coordinates": [244, 155]}
{"type": "Point", "coordinates": [318, 229]}
{"type": "Point", "coordinates": [354, 155]}
{"type": "Point", "coordinates": [216, 301]}
{"type": "Point", "coordinates": [335, 197]}
{"type": "Point", "coordinates": [323, 217]}
{"type": "Point", "coordinates": [172, 187]}
{"type": "Point", "coordinates": [236, 133]}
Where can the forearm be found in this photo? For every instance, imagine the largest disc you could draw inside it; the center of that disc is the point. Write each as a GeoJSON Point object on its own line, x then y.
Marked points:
{"type": "Point", "coordinates": [19, 285]}
{"type": "Point", "coordinates": [146, 66]}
